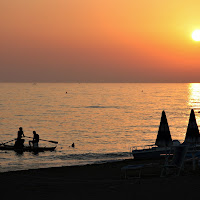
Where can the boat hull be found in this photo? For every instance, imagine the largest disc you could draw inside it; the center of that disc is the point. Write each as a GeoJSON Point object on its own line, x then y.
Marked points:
{"type": "Point", "coordinates": [156, 152]}
{"type": "Point", "coordinates": [151, 153]}
{"type": "Point", "coordinates": [26, 148]}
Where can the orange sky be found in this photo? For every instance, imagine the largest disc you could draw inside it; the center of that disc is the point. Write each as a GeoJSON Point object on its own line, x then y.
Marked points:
{"type": "Point", "coordinates": [95, 41]}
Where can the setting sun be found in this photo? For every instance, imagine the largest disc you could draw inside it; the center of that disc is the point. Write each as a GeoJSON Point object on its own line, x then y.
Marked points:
{"type": "Point", "coordinates": [196, 35]}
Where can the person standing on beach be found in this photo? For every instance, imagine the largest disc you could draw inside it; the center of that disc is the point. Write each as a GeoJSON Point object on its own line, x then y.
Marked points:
{"type": "Point", "coordinates": [19, 142]}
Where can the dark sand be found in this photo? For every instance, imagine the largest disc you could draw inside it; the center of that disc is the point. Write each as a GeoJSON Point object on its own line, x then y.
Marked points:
{"type": "Point", "coordinates": [99, 181]}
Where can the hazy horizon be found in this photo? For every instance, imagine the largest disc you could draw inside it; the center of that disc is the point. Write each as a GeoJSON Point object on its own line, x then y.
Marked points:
{"type": "Point", "coordinates": [102, 82]}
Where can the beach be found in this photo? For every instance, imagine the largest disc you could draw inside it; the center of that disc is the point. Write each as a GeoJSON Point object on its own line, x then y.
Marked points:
{"type": "Point", "coordinates": [99, 181]}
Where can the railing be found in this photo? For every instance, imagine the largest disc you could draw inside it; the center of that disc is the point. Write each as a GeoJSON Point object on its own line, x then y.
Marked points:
{"type": "Point", "coordinates": [144, 147]}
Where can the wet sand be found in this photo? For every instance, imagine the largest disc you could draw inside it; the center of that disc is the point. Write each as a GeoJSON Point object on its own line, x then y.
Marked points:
{"type": "Point", "coordinates": [99, 181]}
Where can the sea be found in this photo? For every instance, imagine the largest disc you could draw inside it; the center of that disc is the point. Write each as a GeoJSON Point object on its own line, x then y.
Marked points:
{"type": "Point", "coordinates": [104, 120]}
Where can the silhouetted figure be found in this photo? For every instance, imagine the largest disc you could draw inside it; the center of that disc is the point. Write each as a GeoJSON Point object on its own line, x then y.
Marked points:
{"type": "Point", "coordinates": [73, 145]}
{"type": "Point", "coordinates": [19, 143]}
{"type": "Point", "coordinates": [35, 140]}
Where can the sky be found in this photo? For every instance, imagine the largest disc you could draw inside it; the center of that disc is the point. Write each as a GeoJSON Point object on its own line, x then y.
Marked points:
{"type": "Point", "coordinates": [99, 41]}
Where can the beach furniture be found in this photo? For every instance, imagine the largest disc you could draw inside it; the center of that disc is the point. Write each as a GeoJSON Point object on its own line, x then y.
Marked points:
{"type": "Point", "coordinates": [193, 154]}
{"type": "Point", "coordinates": [192, 138]}
{"type": "Point", "coordinates": [162, 144]}
{"type": "Point", "coordinates": [164, 138]}
{"type": "Point", "coordinates": [132, 171]}
{"type": "Point", "coordinates": [177, 163]}
{"type": "Point", "coordinates": [192, 135]}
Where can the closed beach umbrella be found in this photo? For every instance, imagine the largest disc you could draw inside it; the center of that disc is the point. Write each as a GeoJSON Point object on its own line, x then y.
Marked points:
{"type": "Point", "coordinates": [192, 134]}
{"type": "Point", "coordinates": [164, 137]}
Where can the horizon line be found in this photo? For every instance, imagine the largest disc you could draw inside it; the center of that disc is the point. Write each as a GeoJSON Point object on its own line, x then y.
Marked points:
{"type": "Point", "coordinates": [32, 82]}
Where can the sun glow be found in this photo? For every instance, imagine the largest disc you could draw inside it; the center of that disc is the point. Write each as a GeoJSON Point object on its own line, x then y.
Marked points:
{"type": "Point", "coordinates": [196, 35]}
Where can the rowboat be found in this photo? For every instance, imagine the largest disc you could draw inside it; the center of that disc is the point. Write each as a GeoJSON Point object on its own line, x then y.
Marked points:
{"type": "Point", "coordinates": [26, 148]}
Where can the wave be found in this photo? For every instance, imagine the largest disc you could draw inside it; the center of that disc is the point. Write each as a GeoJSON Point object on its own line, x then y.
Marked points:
{"type": "Point", "coordinates": [95, 156]}
{"type": "Point", "coordinates": [117, 107]}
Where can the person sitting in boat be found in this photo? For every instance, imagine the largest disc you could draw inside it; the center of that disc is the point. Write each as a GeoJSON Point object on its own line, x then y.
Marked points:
{"type": "Point", "coordinates": [35, 140]}
{"type": "Point", "coordinates": [19, 143]}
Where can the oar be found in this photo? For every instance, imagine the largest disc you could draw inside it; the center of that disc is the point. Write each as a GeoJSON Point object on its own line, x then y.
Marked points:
{"type": "Point", "coordinates": [8, 142]}
{"type": "Point", "coordinates": [46, 140]}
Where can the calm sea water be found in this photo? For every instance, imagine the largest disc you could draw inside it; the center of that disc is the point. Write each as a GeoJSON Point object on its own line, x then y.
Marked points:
{"type": "Point", "coordinates": [103, 120]}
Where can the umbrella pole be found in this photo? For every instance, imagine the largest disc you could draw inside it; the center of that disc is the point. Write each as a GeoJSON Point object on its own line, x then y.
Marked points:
{"type": "Point", "coordinates": [167, 156]}
{"type": "Point", "coordinates": [166, 161]}
{"type": "Point", "coordinates": [193, 157]}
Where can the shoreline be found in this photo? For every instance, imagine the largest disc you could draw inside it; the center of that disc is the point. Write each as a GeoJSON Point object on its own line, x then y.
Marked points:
{"type": "Point", "coordinates": [72, 165]}
{"type": "Point", "coordinates": [128, 161]}
{"type": "Point", "coordinates": [98, 181]}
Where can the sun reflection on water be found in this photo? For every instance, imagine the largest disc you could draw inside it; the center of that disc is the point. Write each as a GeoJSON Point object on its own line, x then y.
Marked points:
{"type": "Point", "coordinates": [194, 98]}
{"type": "Point", "coordinates": [194, 95]}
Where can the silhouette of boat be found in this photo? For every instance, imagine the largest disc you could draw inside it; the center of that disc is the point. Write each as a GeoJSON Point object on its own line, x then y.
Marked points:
{"type": "Point", "coordinates": [152, 151]}
{"type": "Point", "coordinates": [26, 148]}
